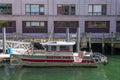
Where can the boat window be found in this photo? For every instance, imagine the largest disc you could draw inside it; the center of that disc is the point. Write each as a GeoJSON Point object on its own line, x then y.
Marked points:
{"type": "Point", "coordinates": [53, 48]}
{"type": "Point", "coordinates": [46, 47]}
{"type": "Point", "coordinates": [38, 46]}
{"type": "Point", "coordinates": [62, 48]}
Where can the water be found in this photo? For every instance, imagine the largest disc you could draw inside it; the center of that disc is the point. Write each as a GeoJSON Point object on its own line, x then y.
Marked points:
{"type": "Point", "coordinates": [108, 72]}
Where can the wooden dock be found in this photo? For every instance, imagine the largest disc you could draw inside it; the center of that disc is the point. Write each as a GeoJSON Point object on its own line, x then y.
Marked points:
{"type": "Point", "coordinates": [112, 40]}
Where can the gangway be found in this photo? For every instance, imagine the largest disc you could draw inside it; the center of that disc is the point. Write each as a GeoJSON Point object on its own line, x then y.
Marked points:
{"type": "Point", "coordinates": [18, 46]}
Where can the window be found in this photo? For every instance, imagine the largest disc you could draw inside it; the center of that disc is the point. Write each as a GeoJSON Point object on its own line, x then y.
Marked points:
{"type": "Point", "coordinates": [5, 8]}
{"type": "Point", "coordinates": [97, 26]}
{"type": "Point", "coordinates": [118, 26]}
{"type": "Point", "coordinates": [53, 48]}
{"type": "Point", "coordinates": [10, 26]}
{"type": "Point", "coordinates": [94, 9]}
{"type": "Point", "coordinates": [60, 26]}
{"type": "Point", "coordinates": [30, 24]}
{"type": "Point", "coordinates": [66, 9]}
{"type": "Point", "coordinates": [34, 26]}
{"type": "Point", "coordinates": [42, 24]}
{"type": "Point", "coordinates": [65, 24]}
{"type": "Point", "coordinates": [34, 9]}
{"type": "Point", "coordinates": [64, 48]}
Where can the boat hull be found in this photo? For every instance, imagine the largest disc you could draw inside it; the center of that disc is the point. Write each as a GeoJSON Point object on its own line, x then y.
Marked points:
{"type": "Point", "coordinates": [37, 61]}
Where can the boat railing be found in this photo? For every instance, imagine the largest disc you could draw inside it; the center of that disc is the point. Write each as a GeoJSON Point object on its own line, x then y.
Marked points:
{"type": "Point", "coordinates": [103, 58]}
{"type": "Point", "coordinates": [36, 51]}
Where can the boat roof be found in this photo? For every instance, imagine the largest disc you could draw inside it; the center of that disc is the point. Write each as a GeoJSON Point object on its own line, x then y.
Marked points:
{"type": "Point", "coordinates": [64, 43]}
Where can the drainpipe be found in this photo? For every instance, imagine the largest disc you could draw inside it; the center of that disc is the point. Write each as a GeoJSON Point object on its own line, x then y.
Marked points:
{"type": "Point", "coordinates": [78, 39]}
{"type": "Point", "coordinates": [4, 39]}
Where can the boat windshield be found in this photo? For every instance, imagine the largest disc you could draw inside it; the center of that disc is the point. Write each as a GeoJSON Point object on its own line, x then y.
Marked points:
{"type": "Point", "coordinates": [38, 46]}
{"type": "Point", "coordinates": [58, 48]}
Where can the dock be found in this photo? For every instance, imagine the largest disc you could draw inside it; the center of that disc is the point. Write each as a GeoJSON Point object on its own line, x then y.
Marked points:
{"type": "Point", "coordinates": [4, 56]}
{"type": "Point", "coordinates": [16, 46]}
{"type": "Point", "coordinates": [113, 40]}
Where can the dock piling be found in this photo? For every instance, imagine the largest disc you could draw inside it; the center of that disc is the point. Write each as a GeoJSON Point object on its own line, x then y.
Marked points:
{"type": "Point", "coordinates": [103, 43]}
{"type": "Point", "coordinates": [89, 41]}
{"type": "Point", "coordinates": [112, 43]}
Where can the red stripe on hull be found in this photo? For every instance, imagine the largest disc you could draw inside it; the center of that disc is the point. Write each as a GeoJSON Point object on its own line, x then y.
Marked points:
{"type": "Point", "coordinates": [87, 61]}
{"type": "Point", "coordinates": [33, 60]}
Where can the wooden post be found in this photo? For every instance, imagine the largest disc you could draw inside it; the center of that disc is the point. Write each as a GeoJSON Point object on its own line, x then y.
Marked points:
{"type": "Point", "coordinates": [103, 44]}
{"type": "Point", "coordinates": [89, 41]}
{"type": "Point", "coordinates": [112, 43]}
{"type": "Point", "coordinates": [84, 41]}
{"type": "Point", "coordinates": [15, 36]}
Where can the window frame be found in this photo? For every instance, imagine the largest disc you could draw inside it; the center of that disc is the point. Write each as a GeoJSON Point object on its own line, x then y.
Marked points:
{"type": "Point", "coordinates": [10, 27]}
{"type": "Point", "coordinates": [30, 12]}
{"type": "Point", "coordinates": [6, 10]}
{"type": "Point", "coordinates": [97, 29]}
{"type": "Point", "coordinates": [34, 29]}
{"type": "Point", "coordinates": [33, 26]}
{"type": "Point", "coordinates": [60, 28]}
{"type": "Point", "coordinates": [62, 9]}
{"type": "Point", "coordinates": [103, 10]}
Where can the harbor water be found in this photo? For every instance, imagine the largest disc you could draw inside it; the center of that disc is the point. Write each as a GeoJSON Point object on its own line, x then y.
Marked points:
{"type": "Point", "coordinates": [107, 72]}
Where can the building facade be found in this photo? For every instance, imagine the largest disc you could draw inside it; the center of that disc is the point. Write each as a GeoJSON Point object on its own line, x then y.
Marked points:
{"type": "Point", "coordinates": [38, 18]}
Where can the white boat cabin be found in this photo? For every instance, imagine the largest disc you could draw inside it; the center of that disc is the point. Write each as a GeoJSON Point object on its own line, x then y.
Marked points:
{"type": "Point", "coordinates": [59, 46]}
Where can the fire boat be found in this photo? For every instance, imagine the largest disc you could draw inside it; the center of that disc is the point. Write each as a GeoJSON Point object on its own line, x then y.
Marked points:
{"type": "Point", "coordinates": [57, 53]}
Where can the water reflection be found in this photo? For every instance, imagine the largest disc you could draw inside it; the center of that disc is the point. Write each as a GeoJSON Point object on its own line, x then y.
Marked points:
{"type": "Point", "coordinates": [66, 73]}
